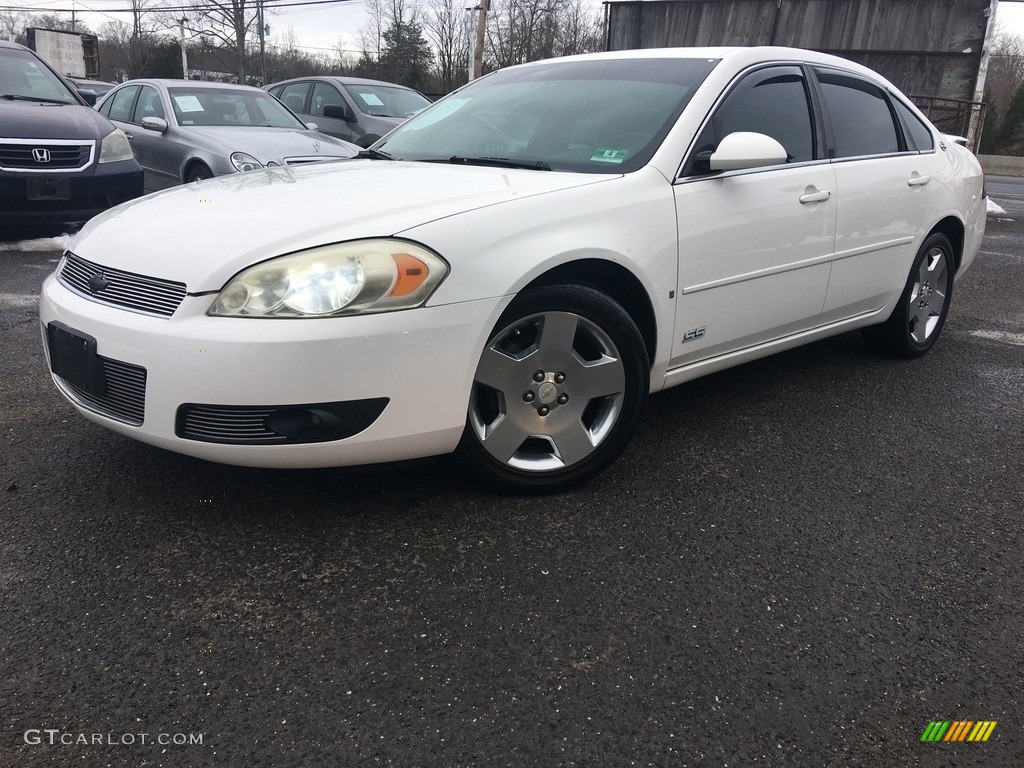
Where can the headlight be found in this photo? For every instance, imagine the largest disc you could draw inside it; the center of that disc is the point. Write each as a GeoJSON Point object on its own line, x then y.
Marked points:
{"type": "Point", "coordinates": [344, 279]}
{"type": "Point", "coordinates": [244, 162]}
{"type": "Point", "coordinates": [115, 147]}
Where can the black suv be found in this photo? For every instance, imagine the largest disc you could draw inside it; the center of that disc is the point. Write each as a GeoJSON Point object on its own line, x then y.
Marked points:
{"type": "Point", "coordinates": [60, 160]}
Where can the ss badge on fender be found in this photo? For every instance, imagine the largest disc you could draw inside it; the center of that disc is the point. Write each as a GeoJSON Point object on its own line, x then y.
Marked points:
{"type": "Point", "coordinates": [694, 333]}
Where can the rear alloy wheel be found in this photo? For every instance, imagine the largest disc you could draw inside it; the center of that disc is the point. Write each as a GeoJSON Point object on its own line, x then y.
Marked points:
{"type": "Point", "coordinates": [558, 391]}
{"type": "Point", "coordinates": [915, 324]}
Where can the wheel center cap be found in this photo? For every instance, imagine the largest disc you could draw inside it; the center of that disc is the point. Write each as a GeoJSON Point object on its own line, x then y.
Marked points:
{"type": "Point", "coordinates": [547, 392]}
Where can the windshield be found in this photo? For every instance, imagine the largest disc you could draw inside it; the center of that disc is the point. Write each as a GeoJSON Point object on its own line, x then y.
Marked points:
{"type": "Point", "coordinates": [230, 106]}
{"type": "Point", "coordinates": [593, 116]}
{"type": "Point", "coordinates": [24, 78]}
{"type": "Point", "coordinates": [383, 101]}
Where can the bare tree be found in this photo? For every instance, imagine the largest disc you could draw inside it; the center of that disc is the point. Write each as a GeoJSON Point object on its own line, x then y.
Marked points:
{"type": "Point", "coordinates": [371, 36]}
{"type": "Point", "coordinates": [579, 30]}
{"type": "Point", "coordinates": [12, 24]}
{"type": "Point", "coordinates": [446, 25]}
{"type": "Point", "coordinates": [57, 22]}
{"type": "Point", "coordinates": [225, 23]}
{"type": "Point", "coordinates": [1005, 72]}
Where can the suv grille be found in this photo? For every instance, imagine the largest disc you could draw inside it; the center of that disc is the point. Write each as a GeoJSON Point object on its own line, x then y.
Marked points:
{"type": "Point", "coordinates": [125, 398]}
{"type": "Point", "coordinates": [21, 155]}
{"type": "Point", "coordinates": [151, 295]}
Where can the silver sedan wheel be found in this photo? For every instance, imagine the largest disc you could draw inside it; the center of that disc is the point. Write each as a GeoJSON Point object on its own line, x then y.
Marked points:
{"type": "Point", "coordinates": [928, 295]}
{"type": "Point", "coordinates": [548, 390]}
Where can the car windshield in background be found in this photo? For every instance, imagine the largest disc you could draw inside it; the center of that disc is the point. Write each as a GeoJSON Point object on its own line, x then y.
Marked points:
{"type": "Point", "coordinates": [382, 101]}
{"type": "Point", "coordinates": [587, 116]}
{"type": "Point", "coordinates": [22, 77]}
{"type": "Point", "coordinates": [230, 107]}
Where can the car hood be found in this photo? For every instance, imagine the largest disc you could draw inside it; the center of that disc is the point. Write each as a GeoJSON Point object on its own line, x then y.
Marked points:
{"type": "Point", "coordinates": [203, 233]}
{"type": "Point", "coordinates": [35, 120]}
{"type": "Point", "coordinates": [275, 144]}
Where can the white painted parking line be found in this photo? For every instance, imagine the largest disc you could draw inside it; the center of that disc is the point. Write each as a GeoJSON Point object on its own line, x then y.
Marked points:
{"type": "Point", "coordinates": [1004, 336]}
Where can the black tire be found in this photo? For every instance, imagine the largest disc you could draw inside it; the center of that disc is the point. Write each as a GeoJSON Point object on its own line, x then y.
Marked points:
{"type": "Point", "coordinates": [198, 173]}
{"type": "Point", "coordinates": [916, 322]}
{"type": "Point", "coordinates": [558, 391]}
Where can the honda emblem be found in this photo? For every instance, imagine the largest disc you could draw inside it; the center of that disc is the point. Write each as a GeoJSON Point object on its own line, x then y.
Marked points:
{"type": "Point", "coordinates": [41, 155]}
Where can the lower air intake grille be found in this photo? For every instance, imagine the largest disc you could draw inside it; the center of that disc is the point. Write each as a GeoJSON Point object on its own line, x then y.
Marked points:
{"type": "Point", "coordinates": [125, 396]}
{"type": "Point", "coordinates": [277, 424]}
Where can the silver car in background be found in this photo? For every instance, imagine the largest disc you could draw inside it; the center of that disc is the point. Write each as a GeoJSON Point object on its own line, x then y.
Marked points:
{"type": "Point", "coordinates": [350, 108]}
{"type": "Point", "coordinates": [187, 130]}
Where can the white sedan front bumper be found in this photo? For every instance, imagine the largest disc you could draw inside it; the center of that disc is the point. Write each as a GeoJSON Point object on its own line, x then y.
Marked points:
{"type": "Point", "coordinates": [422, 361]}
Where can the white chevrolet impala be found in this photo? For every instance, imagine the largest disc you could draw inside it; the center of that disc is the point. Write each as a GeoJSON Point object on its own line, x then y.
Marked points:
{"type": "Point", "coordinates": [512, 272]}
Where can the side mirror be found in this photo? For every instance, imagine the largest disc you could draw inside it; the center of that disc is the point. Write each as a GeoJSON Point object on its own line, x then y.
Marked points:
{"type": "Point", "coordinates": [88, 95]}
{"type": "Point", "coordinates": [157, 124]}
{"type": "Point", "coordinates": [339, 112]}
{"type": "Point", "coordinates": [744, 149]}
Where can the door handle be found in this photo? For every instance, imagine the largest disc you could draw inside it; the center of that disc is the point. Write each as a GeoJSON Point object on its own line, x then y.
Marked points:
{"type": "Point", "coordinates": [916, 180]}
{"type": "Point", "coordinates": [818, 196]}
{"type": "Point", "coordinates": [130, 136]}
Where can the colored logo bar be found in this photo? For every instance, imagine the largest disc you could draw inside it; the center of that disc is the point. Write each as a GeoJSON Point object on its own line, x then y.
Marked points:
{"type": "Point", "coordinates": [958, 730]}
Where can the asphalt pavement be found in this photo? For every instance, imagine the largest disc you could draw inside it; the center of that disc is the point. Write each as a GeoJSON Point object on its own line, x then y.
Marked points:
{"type": "Point", "coordinates": [803, 561]}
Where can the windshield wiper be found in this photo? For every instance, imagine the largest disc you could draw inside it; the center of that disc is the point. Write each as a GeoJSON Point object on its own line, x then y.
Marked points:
{"type": "Point", "coordinates": [19, 97]}
{"type": "Point", "coordinates": [500, 162]}
{"type": "Point", "coordinates": [374, 154]}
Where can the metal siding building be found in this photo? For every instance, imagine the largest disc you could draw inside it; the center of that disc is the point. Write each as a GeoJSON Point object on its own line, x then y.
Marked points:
{"type": "Point", "coordinates": [928, 48]}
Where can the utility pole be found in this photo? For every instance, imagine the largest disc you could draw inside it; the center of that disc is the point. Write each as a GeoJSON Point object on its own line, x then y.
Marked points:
{"type": "Point", "coordinates": [263, 55]}
{"type": "Point", "coordinates": [975, 125]}
{"type": "Point", "coordinates": [478, 51]}
{"type": "Point", "coordinates": [184, 56]}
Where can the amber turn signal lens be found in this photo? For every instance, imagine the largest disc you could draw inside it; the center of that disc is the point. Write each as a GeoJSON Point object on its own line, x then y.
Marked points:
{"type": "Point", "coordinates": [411, 274]}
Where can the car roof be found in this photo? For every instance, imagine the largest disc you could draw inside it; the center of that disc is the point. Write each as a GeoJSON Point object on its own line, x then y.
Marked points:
{"type": "Point", "coordinates": [738, 56]}
{"type": "Point", "coordinates": [171, 82]}
{"type": "Point", "coordinates": [346, 80]}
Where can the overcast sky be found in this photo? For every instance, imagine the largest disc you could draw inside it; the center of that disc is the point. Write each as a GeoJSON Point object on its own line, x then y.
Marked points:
{"type": "Point", "coordinates": [320, 27]}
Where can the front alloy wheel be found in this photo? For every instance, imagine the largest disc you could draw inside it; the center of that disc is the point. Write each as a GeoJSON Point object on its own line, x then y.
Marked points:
{"type": "Point", "coordinates": [558, 391]}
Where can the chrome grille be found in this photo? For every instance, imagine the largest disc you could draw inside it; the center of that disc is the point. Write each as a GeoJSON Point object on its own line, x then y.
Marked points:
{"type": "Point", "coordinates": [151, 295]}
{"type": "Point", "coordinates": [305, 160]}
{"type": "Point", "coordinates": [229, 424]}
{"type": "Point", "coordinates": [18, 155]}
{"type": "Point", "coordinates": [125, 398]}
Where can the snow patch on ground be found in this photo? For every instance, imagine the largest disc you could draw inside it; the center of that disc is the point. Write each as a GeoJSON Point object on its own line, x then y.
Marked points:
{"type": "Point", "coordinates": [43, 244]}
{"type": "Point", "coordinates": [994, 209]}
{"type": "Point", "coordinates": [18, 300]}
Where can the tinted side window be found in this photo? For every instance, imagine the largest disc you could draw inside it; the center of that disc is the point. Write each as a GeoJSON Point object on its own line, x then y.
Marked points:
{"type": "Point", "coordinates": [121, 104]}
{"type": "Point", "coordinates": [325, 95]}
{"type": "Point", "coordinates": [772, 102]}
{"type": "Point", "coordinates": [862, 122]}
{"type": "Point", "coordinates": [148, 105]}
{"type": "Point", "coordinates": [919, 136]}
{"type": "Point", "coordinates": [294, 96]}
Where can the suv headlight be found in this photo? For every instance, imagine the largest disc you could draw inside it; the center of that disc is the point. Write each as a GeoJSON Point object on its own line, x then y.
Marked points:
{"type": "Point", "coordinates": [115, 147]}
{"type": "Point", "coordinates": [359, 277]}
{"type": "Point", "coordinates": [244, 162]}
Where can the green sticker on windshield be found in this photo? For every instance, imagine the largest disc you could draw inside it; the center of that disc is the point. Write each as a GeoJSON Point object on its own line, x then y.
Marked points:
{"type": "Point", "coordinates": [606, 155]}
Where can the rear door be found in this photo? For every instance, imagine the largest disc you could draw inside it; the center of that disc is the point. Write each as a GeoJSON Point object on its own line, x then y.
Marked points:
{"type": "Point", "coordinates": [882, 183]}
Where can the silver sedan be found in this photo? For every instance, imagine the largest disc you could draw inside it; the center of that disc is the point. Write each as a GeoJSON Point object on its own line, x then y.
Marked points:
{"type": "Point", "coordinates": [186, 130]}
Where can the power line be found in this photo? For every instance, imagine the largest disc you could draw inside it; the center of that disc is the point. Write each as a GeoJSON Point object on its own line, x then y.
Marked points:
{"type": "Point", "coordinates": [171, 9]}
